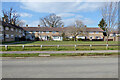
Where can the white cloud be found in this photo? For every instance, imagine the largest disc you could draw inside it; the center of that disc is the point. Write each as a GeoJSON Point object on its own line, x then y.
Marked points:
{"type": "Point", "coordinates": [60, 0]}
{"type": "Point", "coordinates": [66, 14]}
{"type": "Point", "coordinates": [60, 7]}
{"type": "Point", "coordinates": [25, 15]}
{"type": "Point", "coordinates": [69, 21]}
{"type": "Point", "coordinates": [33, 23]}
{"type": "Point", "coordinates": [90, 6]}
{"type": "Point", "coordinates": [66, 10]}
{"type": "Point", "coordinates": [86, 21]}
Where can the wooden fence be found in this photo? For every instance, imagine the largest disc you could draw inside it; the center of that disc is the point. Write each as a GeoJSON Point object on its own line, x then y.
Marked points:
{"type": "Point", "coordinates": [57, 46]}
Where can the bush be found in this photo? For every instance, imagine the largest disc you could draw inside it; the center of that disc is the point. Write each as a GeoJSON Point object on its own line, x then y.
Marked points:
{"type": "Point", "coordinates": [37, 39]}
{"type": "Point", "coordinates": [79, 39]}
{"type": "Point", "coordinates": [22, 38]}
{"type": "Point", "coordinates": [83, 39]}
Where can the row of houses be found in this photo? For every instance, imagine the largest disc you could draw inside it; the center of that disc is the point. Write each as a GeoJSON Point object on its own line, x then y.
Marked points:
{"type": "Point", "coordinates": [11, 32]}
{"type": "Point", "coordinates": [55, 33]}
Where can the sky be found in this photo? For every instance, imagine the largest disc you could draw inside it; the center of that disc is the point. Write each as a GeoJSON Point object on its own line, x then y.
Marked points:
{"type": "Point", "coordinates": [31, 12]}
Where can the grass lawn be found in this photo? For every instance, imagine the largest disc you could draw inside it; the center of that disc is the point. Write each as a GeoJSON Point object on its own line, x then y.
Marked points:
{"type": "Point", "coordinates": [63, 54]}
{"type": "Point", "coordinates": [61, 48]}
{"type": "Point", "coordinates": [60, 42]}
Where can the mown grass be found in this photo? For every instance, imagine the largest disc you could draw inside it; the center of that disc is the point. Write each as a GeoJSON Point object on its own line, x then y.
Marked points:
{"type": "Point", "coordinates": [61, 42]}
{"type": "Point", "coordinates": [58, 54]}
{"type": "Point", "coordinates": [61, 48]}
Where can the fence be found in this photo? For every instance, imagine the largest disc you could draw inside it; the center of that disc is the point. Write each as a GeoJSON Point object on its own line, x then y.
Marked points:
{"type": "Point", "coordinates": [57, 46]}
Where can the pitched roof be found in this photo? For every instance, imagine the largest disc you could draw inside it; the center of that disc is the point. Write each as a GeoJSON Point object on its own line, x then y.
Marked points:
{"type": "Point", "coordinates": [94, 29]}
{"type": "Point", "coordinates": [55, 29]}
{"type": "Point", "coordinates": [10, 25]}
{"type": "Point", "coordinates": [43, 28]}
{"type": "Point", "coordinates": [116, 32]}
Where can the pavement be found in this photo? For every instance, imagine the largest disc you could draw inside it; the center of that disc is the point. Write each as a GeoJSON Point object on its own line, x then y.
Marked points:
{"type": "Point", "coordinates": [51, 52]}
{"type": "Point", "coordinates": [60, 67]}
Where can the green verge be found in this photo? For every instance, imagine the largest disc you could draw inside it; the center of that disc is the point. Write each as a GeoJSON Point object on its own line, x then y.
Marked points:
{"type": "Point", "coordinates": [58, 54]}
{"type": "Point", "coordinates": [61, 48]}
{"type": "Point", "coordinates": [58, 42]}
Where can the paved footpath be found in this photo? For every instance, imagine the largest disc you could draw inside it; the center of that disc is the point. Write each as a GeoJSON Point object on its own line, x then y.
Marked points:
{"type": "Point", "coordinates": [51, 52]}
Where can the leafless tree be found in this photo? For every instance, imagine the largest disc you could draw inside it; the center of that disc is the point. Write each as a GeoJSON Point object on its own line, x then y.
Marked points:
{"type": "Point", "coordinates": [20, 23]}
{"type": "Point", "coordinates": [51, 21]}
{"type": "Point", "coordinates": [110, 15]}
{"type": "Point", "coordinates": [10, 16]}
{"type": "Point", "coordinates": [78, 28]}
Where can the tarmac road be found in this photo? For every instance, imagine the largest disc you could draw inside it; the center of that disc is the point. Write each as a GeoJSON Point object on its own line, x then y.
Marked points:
{"type": "Point", "coordinates": [60, 67]}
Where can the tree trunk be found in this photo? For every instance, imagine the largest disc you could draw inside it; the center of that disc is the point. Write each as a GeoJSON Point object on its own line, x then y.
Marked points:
{"type": "Point", "coordinates": [107, 39]}
{"type": "Point", "coordinates": [74, 38]}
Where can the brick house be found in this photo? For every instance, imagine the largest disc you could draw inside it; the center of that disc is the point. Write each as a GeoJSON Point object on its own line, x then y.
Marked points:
{"type": "Point", "coordinates": [44, 33]}
{"type": "Point", "coordinates": [95, 33]}
{"type": "Point", "coordinates": [10, 32]}
{"type": "Point", "coordinates": [55, 33]}
{"type": "Point", "coordinates": [113, 36]}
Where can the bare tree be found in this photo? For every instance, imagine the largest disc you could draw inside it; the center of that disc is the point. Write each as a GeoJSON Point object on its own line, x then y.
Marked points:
{"type": "Point", "coordinates": [11, 16]}
{"type": "Point", "coordinates": [51, 21]}
{"type": "Point", "coordinates": [110, 15]}
{"type": "Point", "coordinates": [20, 23]}
{"type": "Point", "coordinates": [78, 28]}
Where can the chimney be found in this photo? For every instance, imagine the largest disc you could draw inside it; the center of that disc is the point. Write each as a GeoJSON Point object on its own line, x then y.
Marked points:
{"type": "Point", "coordinates": [38, 25]}
{"type": "Point", "coordinates": [27, 25]}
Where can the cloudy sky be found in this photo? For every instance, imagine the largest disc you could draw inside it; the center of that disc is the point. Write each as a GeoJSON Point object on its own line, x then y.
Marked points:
{"type": "Point", "coordinates": [31, 12]}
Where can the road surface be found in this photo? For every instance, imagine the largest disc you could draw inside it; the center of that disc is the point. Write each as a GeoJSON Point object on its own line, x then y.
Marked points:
{"type": "Point", "coordinates": [60, 67]}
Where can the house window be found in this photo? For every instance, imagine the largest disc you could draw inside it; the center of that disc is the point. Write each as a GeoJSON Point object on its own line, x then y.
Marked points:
{"type": "Point", "coordinates": [1, 28]}
{"type": "Point", "coordinates": [16, 30]}
{"type": "Point", "coordinates": [12, 29]}
{"type": "Point", "coordinates": [40, 32]}
{"type": "Point", "coordinates": [54, 32]}
{"type": "Point", "coordinates": [23, 34]}
{"type": "Point", "coordinates": [91, 32]}
{"type": "Point", "coordinates": [97, 32]}
{"type": "Point", "coordinates": [12, 36]}
{"type": "Point", "coordinates": [91, 37]}
{"type": "Point", "coordinates": [1, 36]}
{"type": "Point", "coordinates": [56, 37]}
{"type": "Point", "coordinates": [19, 31]}
{"type": "Point", "coordinates": [60, 32]}
{"type": "Point", "coordinates": [97, 37]}
{"type": "Point", "coordinates": [47, 31]}
{"type": "Point", "coordinates": [27, 32]}
{"type": "Point", "coordinates": [19, 36]}
{"type": "Point", "coordinates": [34, 31]}
{"type": "Point", "coordinates": [7, 36]}
{"type": "Point", "coordinates": [6, 28]}
{"type": "Point", "coordinates": [114, 34]}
